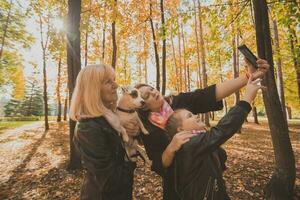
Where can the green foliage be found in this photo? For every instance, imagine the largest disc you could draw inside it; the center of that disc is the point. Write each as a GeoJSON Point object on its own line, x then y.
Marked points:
{"type": "Point", "coordinates": [12, 19]}
{"type": "Point", "coordinates": [31, 105]}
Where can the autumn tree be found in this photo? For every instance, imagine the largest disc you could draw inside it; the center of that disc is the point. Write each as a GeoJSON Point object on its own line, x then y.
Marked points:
{"type": "Point", "coordinates": [282, 182]}
{"type": "Point", "coordinates": [74, 66]}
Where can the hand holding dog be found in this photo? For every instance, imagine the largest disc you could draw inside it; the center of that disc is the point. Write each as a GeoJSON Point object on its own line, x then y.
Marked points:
{"type": "Point", "coordinates": [131, 127]}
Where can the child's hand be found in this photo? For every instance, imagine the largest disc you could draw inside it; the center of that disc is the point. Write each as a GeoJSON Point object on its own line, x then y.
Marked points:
{"type": "Point", "coordinates": [251, 89]}
{"type": "Point", "coordinates": [179, 139]}
{"type": "Point", "coordinates": [263, 67]}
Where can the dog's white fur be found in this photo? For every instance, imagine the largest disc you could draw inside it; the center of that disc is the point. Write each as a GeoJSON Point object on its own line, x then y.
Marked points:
{"type": "Point", "coordinates": [131, 100]}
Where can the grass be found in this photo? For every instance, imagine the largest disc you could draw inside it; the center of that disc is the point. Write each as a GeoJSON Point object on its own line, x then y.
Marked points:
{"type": "Point", "coordinates": [12, 124]}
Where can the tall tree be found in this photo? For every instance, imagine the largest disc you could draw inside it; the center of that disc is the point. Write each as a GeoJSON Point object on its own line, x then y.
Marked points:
{"type": "Point", "coordinates": [282, 182]}
{"type": "Point", "coordinates": [44, 25]}
{"type": "Point", "coordinates": [113, 32]}
{"type": "Point", "coordinates": [174, 61]}
{"type": "Point", "coordinates": [164, 50]}
{"type": "Point", "coordinates": [203, 62]}
{"type": "Point", "coordinates": [73, 60]}
{"type": "Point", "coordinates": [197, 46]}
{"type": "Point", "coordinates": [292, 24]}
{"type": "Point", "coordinates": [87, 27]}
{"type": "Point", "coordinates": [280, 84]}
{"type": "Point", "coordinates": [58, 89]}
{"type": "Point", "coordinates": [184, 56]}
{"type": "Point", "coordinates": [103, 33]}
{"type": "Point", "coordinates": [66, 105]}
{"type": "Point", "coordinates": [155, 46]}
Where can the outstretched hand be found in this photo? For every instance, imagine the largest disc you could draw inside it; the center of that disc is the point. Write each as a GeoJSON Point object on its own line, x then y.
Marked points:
{"type": "Point", "coordinates": [251, 89]}
{"type": "Point", "coordinates": [263, 67]}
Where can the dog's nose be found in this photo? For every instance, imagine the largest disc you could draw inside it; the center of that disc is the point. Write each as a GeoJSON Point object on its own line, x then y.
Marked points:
{"type": "Point", "coordinates": [143, 103]}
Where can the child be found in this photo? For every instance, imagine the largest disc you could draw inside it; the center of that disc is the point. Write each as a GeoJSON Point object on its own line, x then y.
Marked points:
{"type": "Point", "coordinates": [197, 167]}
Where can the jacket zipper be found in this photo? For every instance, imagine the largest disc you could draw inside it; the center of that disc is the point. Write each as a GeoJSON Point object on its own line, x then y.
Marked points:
{"type": "Point", "coordinates": [211, 186]}
{"type": "Point", "coordinates": [215, 188]}
{"type": "Point", "coordinates": [207, 189]}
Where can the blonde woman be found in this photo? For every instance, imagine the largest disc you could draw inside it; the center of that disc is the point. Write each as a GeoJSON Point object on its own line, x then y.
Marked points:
{"type": "Point", "coordinates": [97, 135]}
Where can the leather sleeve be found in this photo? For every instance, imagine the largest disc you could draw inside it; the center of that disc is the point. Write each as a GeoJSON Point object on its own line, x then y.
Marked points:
{"type": "Point", "coordinates": [198, 101]}
{"type": "Point", "coordinates": [210, 141]}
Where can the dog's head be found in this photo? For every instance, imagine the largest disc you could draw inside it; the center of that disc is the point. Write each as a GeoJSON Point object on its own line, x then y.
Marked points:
{"type": "Point", "coordinates": [133, 97]}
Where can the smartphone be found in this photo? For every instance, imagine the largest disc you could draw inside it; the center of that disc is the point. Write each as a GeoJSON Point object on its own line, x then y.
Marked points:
{"type": "Point", "coordinates": [248, 54]}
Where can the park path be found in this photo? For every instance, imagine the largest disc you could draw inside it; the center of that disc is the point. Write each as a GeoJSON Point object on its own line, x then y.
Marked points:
{"type": "Point", "coordinates": [14, 132]}
{"type": "Point", "coordinates": [14, 145]}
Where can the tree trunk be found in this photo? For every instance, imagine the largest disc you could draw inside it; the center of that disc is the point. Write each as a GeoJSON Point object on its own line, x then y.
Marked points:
{"type": "Point", "coordinates": [44, 45]}
{"type": "Point", "coordinates": [87, 35]}
{"type": "Point", "coordinates": [235, 63]}
{"type": "Point", "coordinates": [296, 55]}
{"type": "Point", "coordinates": [5, 29]}
{"type": "Point", "coordinates": [282, 182]}
{"type": "Point", "coordinates": [164, 53]}
{"type": "Point", "coordinates": [155, 50]}
{"type": "Point", "coordinates": [175, 63]}
{"type": "Point", "coordinates": [188, 77]}
{"type": "Point", "coordinates": [180, 64]}
{"type": "Point", "coordinates": [103, 35]}
{"type": "Point", "coordinates": [58, 91]}
{"type": "Point", "coordinates": [45, 95]}
{"type": "Point", "coordinates": [254, 113]}
{"type": "Point", "coordinates": [184, 57]}
{"type": "Point", "coordinates": [66, 106]}
{"type": "Point", "coordinates": [289, 112]}
{"type": "Point", "coordinates": [280, 84]}
{"type": "Point", "coordinates": [73, 59]}
{"type": "Point", "coordinates": [114, 42]}
{"type": "Point", "coordinates": [198, 49]}
{"type": "Point", "coordinates": [203, 63]}
{"type": "Point", "coordinates": [145, 60]}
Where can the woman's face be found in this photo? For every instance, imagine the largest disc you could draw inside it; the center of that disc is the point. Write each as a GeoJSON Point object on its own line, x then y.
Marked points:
{"type": "Point", "coordinates": [152, 97]}
{"type": "Point", "coordinates": [190, 122]}
{"type": "Point", "coordinates": [109, 90]}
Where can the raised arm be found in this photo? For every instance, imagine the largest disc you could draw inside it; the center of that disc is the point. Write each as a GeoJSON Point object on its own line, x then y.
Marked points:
{"type": "Point", "coordinates": [230, 86]}
{"type": "Point", "coordinates": [227, 126]}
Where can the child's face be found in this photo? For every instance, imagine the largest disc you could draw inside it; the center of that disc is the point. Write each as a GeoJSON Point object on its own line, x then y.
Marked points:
{"type": "Point", "coordinates": [190, 121]}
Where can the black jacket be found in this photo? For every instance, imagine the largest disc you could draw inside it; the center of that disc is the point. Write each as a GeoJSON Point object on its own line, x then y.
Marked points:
{"type": "Point", "coordinates": [108, 176]}
{"type": "Point", "coordinates": [198, 101]}
{"type": "Point", "coordinates": [197, 173]}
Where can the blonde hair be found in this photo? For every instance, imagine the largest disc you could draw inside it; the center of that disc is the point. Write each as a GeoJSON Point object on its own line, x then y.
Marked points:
{"type": "Point", "coordinates": [86, 100]}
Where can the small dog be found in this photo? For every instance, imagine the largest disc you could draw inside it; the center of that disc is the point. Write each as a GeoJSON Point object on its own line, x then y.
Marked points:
{"type": "Point", "coordinates": [128, 103]}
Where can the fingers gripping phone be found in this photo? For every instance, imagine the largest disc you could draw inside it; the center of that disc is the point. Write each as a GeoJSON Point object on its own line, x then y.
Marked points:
{"type": "Point", "coordinates": [248, 55]}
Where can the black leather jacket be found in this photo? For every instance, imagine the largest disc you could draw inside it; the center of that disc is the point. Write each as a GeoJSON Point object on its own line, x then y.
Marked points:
{"type": "Point", "coordinates": [197, 173]}
{"type": "Point", "coordinates": [108, 176]}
